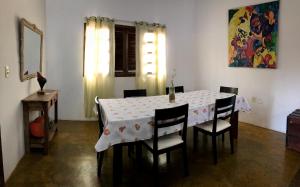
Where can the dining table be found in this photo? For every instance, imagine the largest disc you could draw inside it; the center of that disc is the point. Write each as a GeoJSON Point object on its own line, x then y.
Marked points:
{"type": "Point", "coordinates": [131, 119]}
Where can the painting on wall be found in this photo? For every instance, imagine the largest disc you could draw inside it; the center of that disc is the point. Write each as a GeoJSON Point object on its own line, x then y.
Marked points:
{"type": "Point", "coordinates": [253, 33]}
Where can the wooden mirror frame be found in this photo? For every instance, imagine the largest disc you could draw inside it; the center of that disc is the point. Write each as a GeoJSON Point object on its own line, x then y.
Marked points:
{"type": "Point", "coordinates": [24, 23]}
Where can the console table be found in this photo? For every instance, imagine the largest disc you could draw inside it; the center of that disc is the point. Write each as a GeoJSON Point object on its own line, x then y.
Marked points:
{"type": "Point", "coordinates": [43, 103]}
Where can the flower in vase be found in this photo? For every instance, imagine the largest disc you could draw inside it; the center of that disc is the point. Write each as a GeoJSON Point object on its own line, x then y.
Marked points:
{"type": "Point", "coordinates": [173, 77]}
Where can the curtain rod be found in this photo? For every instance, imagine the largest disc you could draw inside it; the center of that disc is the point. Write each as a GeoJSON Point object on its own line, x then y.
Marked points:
{"type": "Point", "coordinates": [129, 22]}
{"type": "Point", "coordinates": [117, 20]}
{"type": "Point", "coordinates": [134, 22]}
{"type": "Point", "coordinates": [125, 21]}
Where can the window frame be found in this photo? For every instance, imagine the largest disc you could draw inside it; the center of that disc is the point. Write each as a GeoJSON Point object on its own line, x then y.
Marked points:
{"type": "Point", "coordinates": [125, 31]}
{"type": "Point", "coordinates": [125, 73]}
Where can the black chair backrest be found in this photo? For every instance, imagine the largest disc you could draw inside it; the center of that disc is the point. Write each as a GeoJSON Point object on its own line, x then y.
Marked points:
{"type": "Point", "coordinates": [224, 108]}
{"type": "Point", "coordinates": [229, 90]}
{"type": "Point", "coordinates": [178, 89]}
{"type": "Point", "coordinates": [170, 117]}
{"type": "Point", "coordinates": [135, 93]}
{"type": "Point", "coordinates": [100, 122]}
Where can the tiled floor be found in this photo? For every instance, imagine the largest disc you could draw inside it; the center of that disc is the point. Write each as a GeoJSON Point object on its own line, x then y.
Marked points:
{"type": "Point", "coordinates": [260, 159]}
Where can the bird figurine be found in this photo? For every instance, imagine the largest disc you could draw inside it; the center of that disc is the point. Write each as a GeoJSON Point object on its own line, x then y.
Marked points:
{"type": "Point", "coordinates": [42, 81]}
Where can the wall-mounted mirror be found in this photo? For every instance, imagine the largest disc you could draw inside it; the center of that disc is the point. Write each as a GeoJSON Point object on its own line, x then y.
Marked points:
{"type": "Point", "coordinates": [30, 50]}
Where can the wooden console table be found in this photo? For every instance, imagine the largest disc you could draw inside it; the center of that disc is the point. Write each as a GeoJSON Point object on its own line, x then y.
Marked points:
{"type": "Point", "coordinates": [41, 103]}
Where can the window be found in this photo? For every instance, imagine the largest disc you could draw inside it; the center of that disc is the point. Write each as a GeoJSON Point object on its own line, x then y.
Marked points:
{"type": "Point", "coordinates": [149, 53]}
{"type": "Point", "coordinates": [124, 51]}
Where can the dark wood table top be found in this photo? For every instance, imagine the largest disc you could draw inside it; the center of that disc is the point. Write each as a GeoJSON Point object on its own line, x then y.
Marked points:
{"type": "Point", "coordinates": [35, 97]}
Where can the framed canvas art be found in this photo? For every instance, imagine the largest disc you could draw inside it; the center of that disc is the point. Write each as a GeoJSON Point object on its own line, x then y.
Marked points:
{"type": "Point", "coordinates": [253, 33]}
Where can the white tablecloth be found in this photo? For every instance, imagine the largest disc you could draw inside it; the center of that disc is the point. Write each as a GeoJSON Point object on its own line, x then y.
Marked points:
{"type": "Point", "coordinates": [131, 119]}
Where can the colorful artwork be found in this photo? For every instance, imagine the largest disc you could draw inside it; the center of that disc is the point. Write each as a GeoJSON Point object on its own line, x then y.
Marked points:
{"type": "Point", "coordinates": [253, 32]}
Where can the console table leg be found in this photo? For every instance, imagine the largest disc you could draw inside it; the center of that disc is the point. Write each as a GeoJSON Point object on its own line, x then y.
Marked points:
{"type": "Point", "coordinates": [46, 130]}
{"type": "Point", "coordinates": [56, 111]}
{"type": "Point", "coordinates": [26, 128]}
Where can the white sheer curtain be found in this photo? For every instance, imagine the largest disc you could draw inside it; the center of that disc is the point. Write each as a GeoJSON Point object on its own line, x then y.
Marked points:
{"type": "Point", "coordinates": [151, 58]}
{"type": "Point", "coordinates": [99, 61]}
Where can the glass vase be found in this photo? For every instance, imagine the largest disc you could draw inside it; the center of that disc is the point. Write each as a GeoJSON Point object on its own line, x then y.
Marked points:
{"type": "Point", "coordinates": [172, 95]}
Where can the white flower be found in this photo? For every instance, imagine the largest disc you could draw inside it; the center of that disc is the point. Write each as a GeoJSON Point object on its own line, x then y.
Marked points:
{"type": "Point", "coordinates": [174, 74]}
{"type": "Point", "coordinates": [173, 77]}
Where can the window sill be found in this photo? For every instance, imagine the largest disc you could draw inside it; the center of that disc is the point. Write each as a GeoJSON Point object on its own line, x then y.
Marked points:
{"type": "Point", "coordinates": [124, 74]}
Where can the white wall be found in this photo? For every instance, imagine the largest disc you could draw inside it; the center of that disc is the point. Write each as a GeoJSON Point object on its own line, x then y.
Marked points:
{"type": "Point", "coordinates": [277, 92]}
{"type": "Point", "coordinates": [64, 40]}
{"type": "Point", "coordinates": [196, 47]}
{"type": "Point", "coordinates": [12, 90]}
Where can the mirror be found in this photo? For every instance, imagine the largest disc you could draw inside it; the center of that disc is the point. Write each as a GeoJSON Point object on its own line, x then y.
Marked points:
{"type": "Point", "coordinates": [30, 50]}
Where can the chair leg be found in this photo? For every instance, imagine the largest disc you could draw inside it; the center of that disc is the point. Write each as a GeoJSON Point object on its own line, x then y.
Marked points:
{"type": "Point", "coordinates": [223, 137]}
{"type": "Point", "coordinates": [155, 168]}
{"type": "Point", "coordinates": [214, 144]}
{"type": "Point", "coordinates": [231, 141]}
{"type": "Point", "coordinates": [168, 157]}
{"type": "Point", "coordinates": [100, 156]}
{"type": "Point", "coordinates": [185, 161]}
{"type": "Point", "coordinates": [195, 138]}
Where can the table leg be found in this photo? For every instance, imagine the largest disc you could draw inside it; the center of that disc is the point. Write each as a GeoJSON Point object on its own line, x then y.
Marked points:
{"type": "Point", "coordinates": [139, 153]}
{"type": "Point", "coordinates": [117, 164]}
{"type": "Point", "coordinates": [26, 128]}
{"type": "Point", "coordinates": [56, 111]}
{"type": "Point", "coordinates": [46, 129]}
{"type": "Point", "coordinates": [235, 124]}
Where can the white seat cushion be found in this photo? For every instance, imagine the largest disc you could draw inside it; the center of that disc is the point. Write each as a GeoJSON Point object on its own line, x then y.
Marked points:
{"type": "Point", "coordinates": [208, 126]}
{"type": "Point", "coordinates": [166, 141]}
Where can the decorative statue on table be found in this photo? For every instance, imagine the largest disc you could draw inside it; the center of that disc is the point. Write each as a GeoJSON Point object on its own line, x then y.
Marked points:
{"type": "Point", "coordinates": [42, 81]}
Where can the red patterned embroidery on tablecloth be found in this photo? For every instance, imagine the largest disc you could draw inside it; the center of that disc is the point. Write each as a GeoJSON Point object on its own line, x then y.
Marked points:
{"type": "Point", "coordinates": [106, 132]}
{"type": "Point", "coordinates": [151, 123]}
{"type": "Point", "coordinates": [204, 110]}
{"type": "Point", "coordinates": [121, 129]}
{"type": "Point", "coordinates": [137, 127]}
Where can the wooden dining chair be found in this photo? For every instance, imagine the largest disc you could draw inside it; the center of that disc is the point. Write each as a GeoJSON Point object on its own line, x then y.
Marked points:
{"type": "Point", "coordinates": [226, 89]}
{"type": "Point", "coordinates": [135, 93]}
{"type": "Point", "coordinates": [229, 90]}
{"type": "Point", "coordinates": [167, 143]}
{"type": "Point", "coordinates": [224, 108]}
{"type": "Point", "coordinates": [178, 89]}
